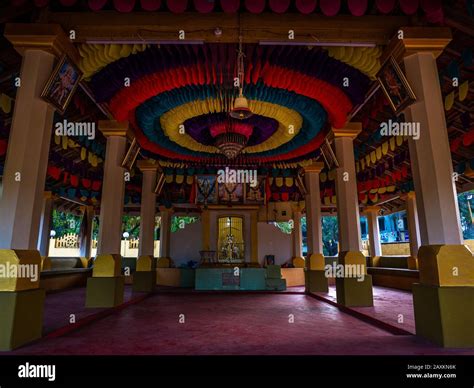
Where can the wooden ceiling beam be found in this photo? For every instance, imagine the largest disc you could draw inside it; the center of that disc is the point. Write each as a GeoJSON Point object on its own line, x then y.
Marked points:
{"type": "Point", "coordinates": [153, 26]}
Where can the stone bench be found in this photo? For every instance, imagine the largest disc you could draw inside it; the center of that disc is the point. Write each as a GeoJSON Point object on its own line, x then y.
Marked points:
{"type": "Point", "coordinates": [399, 278]}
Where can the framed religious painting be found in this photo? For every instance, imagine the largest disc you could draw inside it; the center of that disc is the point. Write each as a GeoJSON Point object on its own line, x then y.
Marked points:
{"type": "Point", "coordinates": [395, 86]}
{"type": "Point", "coordinates": [62, 84]}
{"type": "Point", "coordinates": [254, 194]}
{"type": "Point", "coordinates": [206, 189]}
{"type": "Point", "coordinates": [131, 155]}
{"type": "Point", "coordinates": [231, 193]}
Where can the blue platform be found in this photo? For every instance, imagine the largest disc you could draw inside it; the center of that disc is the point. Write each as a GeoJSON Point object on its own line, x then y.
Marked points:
{"type": "Point", "coordinates": [248, 279]}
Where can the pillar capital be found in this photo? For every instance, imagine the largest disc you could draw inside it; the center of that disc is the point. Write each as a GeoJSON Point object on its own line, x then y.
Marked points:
{"type": "Point", "coordinates": [49, 195]}
{"type": "Point", "coordinates": [113, 128]}
{"type": "Point", "coordinates": [164, 209]}
{"type": "Point", "coordinates": [417, 39]}
{"type": "Point", "coordinates": [46, 37]}
{"type": "Point", "coordinates": [148, 165]}
{"type": "Point", "coordinates": [407, 196]}
{"type": "Point", "coordinates": [350, 130]}
{"type": "Point", "coordinates": [315, 167]}
{"type": "Point", "coordinates": [372, 209]}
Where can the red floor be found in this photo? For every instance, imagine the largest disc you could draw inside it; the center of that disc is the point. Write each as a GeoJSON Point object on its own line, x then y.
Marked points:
{"type": "Point", "coordinates": [247, 324]}
{"type": "Point", "coordinates": [394, 307]}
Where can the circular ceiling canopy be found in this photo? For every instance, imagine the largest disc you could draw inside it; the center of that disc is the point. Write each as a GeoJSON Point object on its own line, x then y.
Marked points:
{"type": "Point", "coordinates": [177, 98]}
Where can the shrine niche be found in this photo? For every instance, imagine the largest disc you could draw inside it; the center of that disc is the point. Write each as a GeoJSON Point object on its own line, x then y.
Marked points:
{"type": "Point", "coordinates": [230, 240]}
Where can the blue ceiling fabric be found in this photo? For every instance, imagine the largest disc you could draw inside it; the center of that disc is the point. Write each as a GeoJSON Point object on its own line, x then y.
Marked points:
{"type": "Point", "coordinates": [148, 114]}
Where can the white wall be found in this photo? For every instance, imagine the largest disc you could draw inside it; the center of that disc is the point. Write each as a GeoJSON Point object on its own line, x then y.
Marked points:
{"type": "Point", "coordinates": [186, 243]}
{"type": "Point", "coordinates": [272, 241]}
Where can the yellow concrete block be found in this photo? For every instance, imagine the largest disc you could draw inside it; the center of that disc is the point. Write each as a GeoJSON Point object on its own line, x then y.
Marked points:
{"type": "Point", "coordinates": [352, 258]}
{"type": "Point", "coordinates": [375, 261]}
{"type": "Point", "coordinates": [163, 262]}
{"type": "Point", "coordinates": [45, 263]}
{"type": "Point", "coordinates": [446, 265]}
{"type": "Point", "coordinates": [85, 261]}
{"type": "Point", "coordinates": [107, 266]}
{"type": "Point", "coordinates": [144, 263]}
{"type": "Point", "coordinates": [316, 262]}
{"type": "Point", "coordinates": [298, 262]}
{"type": "Point", "coordinates": [19, 269]}
{"type": "Point", "coordinates": [412, 262]}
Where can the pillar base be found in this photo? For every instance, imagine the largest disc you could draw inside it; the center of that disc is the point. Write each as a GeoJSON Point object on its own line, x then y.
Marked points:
{"type": "Point", "coordinates": [105, 292]}
{"type": "Point", "coordinates": [412, 262]}
{"type": "Point", "coordinates": [353, 293]}
{"type": "Point", "coordinates": [298, 262]}
{"type": "Point", "coordinates": [444, 315]}
{"type": "Point", "coordinates": [350, 290]}
{"type": "Point", "coordinates": [163, 262]}
{"type": "Point", "coordinates": [446, 265]}
{"type": "Point", "coordinates": [316, 262]}
{"type": "Point", "coordinates": [22, 317]}
{"type": "Point", "coordinates": [315, 281]}
{"type": "Point", "coordinates": [144, 281]}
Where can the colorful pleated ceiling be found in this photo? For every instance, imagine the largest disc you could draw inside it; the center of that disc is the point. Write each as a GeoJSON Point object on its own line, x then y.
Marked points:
{"type": "Point", "coordinates": [174, 99]}
{"type": "Point", "coordinates": [432, 8]}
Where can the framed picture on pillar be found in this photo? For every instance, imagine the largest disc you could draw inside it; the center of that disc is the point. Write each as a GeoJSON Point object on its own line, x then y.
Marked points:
{"type": "Point", "coordinates": [62, 84]}
{"type": "Point", "coordinates": [131, 155]}
{"type": "Point", "coordinates": [395, 86]}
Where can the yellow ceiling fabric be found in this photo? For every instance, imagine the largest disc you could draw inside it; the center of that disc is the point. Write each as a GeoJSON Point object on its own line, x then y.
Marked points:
{"type": "Point", "coordinates": [170, 123]}
{"type": "Point", "coordinates": [97, 56]}
{"type": "Point", "coordinates": [463, 90]}
{"type": "Point", "coordinates": [5, 103]}
{"type": "Point", "coordinates": [449, 101]}
{"type": "Point", "coordinates": [365, 59]}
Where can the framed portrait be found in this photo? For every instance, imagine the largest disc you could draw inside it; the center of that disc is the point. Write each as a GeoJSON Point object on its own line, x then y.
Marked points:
{"type": "Point", "coordinates": [231, 193]}
{"type": "Point", "coordinates": [62, 84]}
{"type": "Point", "coordinates": [255, 195]}
{"type": "Point", "coordinates": [131, 155]}
{"type": "Point", "coordinates": [206, 189]}
{"type": "Point", "coordinates": [395, 86]}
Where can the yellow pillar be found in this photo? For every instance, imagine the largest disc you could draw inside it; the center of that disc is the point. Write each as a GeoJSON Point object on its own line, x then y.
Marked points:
{"type": "Point", "coordinates": [413, 228]}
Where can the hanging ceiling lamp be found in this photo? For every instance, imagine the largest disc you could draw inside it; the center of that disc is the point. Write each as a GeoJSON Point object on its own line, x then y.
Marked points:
{"type": "Point", "coordinates": [231, 137]}
{"type": "Point", "coordinates": [240, 109]}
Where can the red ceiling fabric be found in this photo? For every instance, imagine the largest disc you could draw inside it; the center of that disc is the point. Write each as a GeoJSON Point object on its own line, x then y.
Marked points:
{"type": "Point", "coordinates": [177, 6]}
{"type": "Point", "coordinates": [279, 6]}
{"type": "Point", "coordinates": [330, 7]}
{"type": "Point", "coordinates": [17, 3]}
{"type": "Point", "coordinates": [255, 6]}
{"type": "Point", "coordinates": [124, 5]}
{"type": "Point", "coordinates": [3, 147]}
{"type": "Point", "coordinates": [150, 5]}
{"type": "Point", "coordinates": [385, 6]}
{"type": "Point", "coordinates": [409, 6]}
{"type": "Point", "coordinates": [97, 5]}
{"type": "Point", "coordinates": [333, 100]}
{"type": "Point", "coordinates": [357, 7]}
{"type": "Point", "coordinates": [68, 3]}
{"type": "Point", "coordinates": [430, 6]}
{"type": "Point", "coordinates": [41, 3]}
{"type": "Point", "coordinates": [204, 6]}
{"type": "Point", "coordinates": [230, 6]}
{"type": "Point", "coordinates": [306, 6]}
